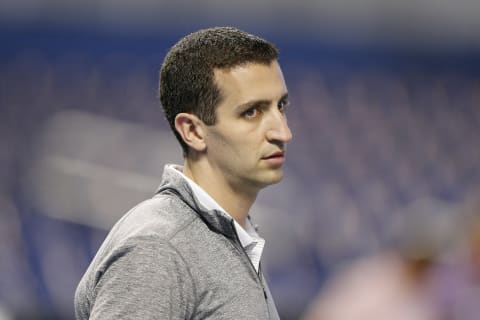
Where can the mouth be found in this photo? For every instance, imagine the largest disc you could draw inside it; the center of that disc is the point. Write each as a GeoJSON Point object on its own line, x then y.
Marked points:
{"type": "Point", "coordinates": [278, 154]}
{"type": "Point", "coordinates": [276, 158]}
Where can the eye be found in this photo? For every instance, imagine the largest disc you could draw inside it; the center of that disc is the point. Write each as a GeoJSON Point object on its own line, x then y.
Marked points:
{"type": "Point", "coordinates": [251, 113]}
{"type": "Point", "coordinates": [282, 105]}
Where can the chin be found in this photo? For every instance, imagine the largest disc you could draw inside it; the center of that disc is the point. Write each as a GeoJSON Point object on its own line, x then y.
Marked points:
{"type": "Point", "coordinates": [274, 178]}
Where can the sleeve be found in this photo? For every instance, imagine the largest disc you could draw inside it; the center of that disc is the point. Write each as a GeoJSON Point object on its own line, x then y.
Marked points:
{"type": "Point", "coordinates": [144, 280]}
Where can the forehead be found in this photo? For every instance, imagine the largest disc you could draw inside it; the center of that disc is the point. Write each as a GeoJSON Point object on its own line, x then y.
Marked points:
{"type": "Point", "coordinates": [251, 81]}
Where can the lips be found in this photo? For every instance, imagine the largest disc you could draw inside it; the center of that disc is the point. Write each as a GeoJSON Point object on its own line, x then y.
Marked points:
{"type": "Point", "coordinates": [275, 160]}
{"type": "Point", "coordinates": [278, 154]}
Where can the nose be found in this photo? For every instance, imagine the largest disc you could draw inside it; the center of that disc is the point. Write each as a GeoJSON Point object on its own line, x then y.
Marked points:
{"type": "Point", "coordinates": [278, 130]}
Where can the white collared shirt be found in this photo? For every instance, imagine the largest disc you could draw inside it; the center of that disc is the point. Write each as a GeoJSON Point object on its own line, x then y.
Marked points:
{"type": "Point", "coordinates": [249, 238]}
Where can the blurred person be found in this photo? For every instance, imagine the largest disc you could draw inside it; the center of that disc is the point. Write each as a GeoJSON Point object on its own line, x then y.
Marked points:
{"type": "Point", "coordinates": [383, 286]}
{"type": "Point", "coordinates": [394, 283]}
{"type": "Point", "coordinates": [457, 278]}
{"type": "Point", "coordinates": [191, 251]}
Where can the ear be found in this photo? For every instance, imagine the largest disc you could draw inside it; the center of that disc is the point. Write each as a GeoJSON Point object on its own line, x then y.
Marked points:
{"type": "Point", "coordinates": [190, 128]}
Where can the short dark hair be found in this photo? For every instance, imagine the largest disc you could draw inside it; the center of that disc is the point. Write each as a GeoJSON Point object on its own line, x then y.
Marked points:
{"type": "Point", "coordinates": [187, 81]}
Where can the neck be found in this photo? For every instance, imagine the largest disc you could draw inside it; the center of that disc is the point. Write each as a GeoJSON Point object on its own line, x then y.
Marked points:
{"type": "Point", "coordinates": [236, 200]}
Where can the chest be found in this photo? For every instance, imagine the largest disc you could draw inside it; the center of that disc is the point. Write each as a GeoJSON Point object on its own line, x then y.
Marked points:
{"type": "Point", "coordinates": [226, 284]}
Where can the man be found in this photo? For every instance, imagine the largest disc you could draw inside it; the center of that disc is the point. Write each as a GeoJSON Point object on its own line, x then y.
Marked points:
{"type": "Point", "coordinates": [191, 252]}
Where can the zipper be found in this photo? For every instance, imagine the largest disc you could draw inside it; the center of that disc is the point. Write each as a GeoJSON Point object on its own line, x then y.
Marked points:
{"type": "Point", "coordinates": [240, 247]}
{"type": "Point", "coordinates": [261, 282]}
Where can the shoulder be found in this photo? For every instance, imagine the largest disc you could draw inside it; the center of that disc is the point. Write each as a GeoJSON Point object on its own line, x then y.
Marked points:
{"type": "Point", "coordinates": [144, 233]}
{"type": "Point", "coordinates": [161, 217]}
{"type": "Point", "coordinates": [118, 283]}
{"type": "Point", "coordinates": [142, 252]}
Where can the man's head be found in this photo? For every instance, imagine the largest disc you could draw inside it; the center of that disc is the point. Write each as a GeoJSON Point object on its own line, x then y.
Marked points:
{"type": "Point", "coordinates": [187, 78]}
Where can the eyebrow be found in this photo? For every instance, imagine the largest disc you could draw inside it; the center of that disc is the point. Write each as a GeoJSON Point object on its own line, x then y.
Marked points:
{"type": "Point", "coordinates": [247, 105]}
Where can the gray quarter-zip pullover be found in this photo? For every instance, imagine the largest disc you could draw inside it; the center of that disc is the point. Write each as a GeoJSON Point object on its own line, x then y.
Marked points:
{"type": "Point", "coordinates": [169, 258]}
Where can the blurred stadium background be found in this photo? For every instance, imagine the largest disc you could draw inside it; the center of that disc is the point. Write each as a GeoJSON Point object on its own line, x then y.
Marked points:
{"type": "Point", "coordinates": [385, 115]}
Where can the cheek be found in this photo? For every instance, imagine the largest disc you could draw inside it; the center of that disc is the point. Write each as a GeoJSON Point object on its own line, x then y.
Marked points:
{"type": "Point", "coordinates": [223, 146]}
{"type": "Point", "coordinates": [238, 144]}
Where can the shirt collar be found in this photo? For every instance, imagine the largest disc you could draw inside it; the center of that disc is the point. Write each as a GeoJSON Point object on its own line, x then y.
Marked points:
{"type": "Point", "coordinates": [247, 236]}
